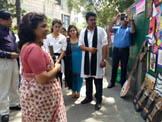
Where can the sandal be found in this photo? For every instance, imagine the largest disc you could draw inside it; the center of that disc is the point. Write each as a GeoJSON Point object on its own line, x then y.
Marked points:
{"type": "Point", "coordinates": [73, 95]}
{"type": "Point", "coordinates": [77, 95]}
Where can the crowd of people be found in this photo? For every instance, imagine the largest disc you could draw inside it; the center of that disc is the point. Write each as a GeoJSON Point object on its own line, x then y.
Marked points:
{"type": "Point", "coordinates": [44, 58]}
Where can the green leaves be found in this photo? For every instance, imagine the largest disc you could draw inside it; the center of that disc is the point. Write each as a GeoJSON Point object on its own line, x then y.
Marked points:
{"type": "Point", "coordinates": [105, 9]}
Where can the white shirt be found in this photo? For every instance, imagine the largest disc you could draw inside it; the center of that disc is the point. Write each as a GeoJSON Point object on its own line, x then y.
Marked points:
{"type": "Point", "coordinates": [59, 44]}
{"type": "Point", "coordinates": [102, 41]}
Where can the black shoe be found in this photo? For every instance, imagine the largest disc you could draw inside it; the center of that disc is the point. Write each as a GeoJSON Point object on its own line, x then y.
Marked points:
{"type": "Point", "coordinates": [110, 85]}
{"type": "Point", "coordinates": [98, 106]}
{"type": "Point", "coordinates": [5, 118]}
{"type": "Point", "coordinates": [86, 100]}
{"type": "Point", "coordinates": [15, 108]}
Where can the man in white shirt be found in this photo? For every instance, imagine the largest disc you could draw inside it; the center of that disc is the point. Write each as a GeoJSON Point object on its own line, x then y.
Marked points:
{"type": "Point", "coordinates": [93, 43]}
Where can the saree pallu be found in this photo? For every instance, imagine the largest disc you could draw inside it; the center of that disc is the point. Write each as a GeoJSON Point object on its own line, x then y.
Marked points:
{"type": "Point", "coordinates": [41, 102]}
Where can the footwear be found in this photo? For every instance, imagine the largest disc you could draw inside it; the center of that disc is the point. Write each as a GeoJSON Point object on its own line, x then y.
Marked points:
{"type": "Point", "coordinates": [86, 100]}
{"type": "Point", "coordinates": [110, 85]}
{"type": "Point", "coordinates": [77, 95]}
{"type": "Point", "coordinates": [73, 95]}
{"type": "Point", "coordinates": [15, 108]}
{"type": "Point", "coordinates": [98, 106]}
{"type": "Point", "coordinates": [4, 118]}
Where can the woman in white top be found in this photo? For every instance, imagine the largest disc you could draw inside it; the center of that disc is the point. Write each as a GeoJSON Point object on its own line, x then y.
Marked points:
{"type": "Point", "coordinates": [58, 43]}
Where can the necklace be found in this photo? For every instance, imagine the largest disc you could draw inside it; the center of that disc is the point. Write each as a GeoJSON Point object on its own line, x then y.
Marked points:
{"type": "Point", "coordinates": [73, 43]}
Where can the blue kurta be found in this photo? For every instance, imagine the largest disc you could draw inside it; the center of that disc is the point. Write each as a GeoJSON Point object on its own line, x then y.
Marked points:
{"type": "Point", "coordinates": [76, 67]}
{"type": "Point", "coordinates": [76, 58]}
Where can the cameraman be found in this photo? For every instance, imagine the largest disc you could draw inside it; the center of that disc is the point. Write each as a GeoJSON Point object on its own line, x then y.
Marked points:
{"type": "Point", "coordinates": [122, 41]}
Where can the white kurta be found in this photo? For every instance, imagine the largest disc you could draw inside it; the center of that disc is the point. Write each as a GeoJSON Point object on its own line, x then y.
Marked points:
{"type": "Point", "coordinates": [102, 41]}
{"type": "Point", "coordinates": [59, 44]}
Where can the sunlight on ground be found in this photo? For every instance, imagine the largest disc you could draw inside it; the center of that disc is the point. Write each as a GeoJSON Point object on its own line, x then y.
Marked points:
{"type": "Point", "coordinates": [109, 100]}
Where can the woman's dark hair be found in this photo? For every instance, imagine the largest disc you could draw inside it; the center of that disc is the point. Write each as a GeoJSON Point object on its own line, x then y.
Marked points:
{"type": "Point", "coordinates": [55, 21]}
{"type": "Point", "coordinates": [63, 29]}
{"type": "Point", "coordinates": [73, 26]}
{"type": "Point", "coordinates": [5, 14]}
{"type": "Point", "coordinates": [89, 14]}
{"type": "Point", "coordinates": [27, 26]}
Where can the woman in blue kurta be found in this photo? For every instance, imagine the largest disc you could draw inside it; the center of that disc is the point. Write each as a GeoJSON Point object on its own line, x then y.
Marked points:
{"type": "Point", "coordinates": [75, 55]}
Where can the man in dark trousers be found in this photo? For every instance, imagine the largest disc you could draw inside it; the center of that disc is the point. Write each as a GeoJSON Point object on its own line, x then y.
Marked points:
{"type": "Point", "coordinates": [8, 67]}
{"type": "Point", "coordinates": [122, 41]}
{"type": "Point", "coordinates": [93, 43]}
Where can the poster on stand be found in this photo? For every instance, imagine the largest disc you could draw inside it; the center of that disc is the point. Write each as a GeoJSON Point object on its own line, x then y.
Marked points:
{"type": "Point", "coordinates": [152, 66]}
{"type": "Point", "coordinates": [158, 84]}
{"type": "Point", "coordinates": [157, 2]}
{"type": "Point", "coordinates": [149, 8]}
{"type": "Point", "coordinates": [159, 60]}
{"type": "Point", "coordinates": [149, 80]}
{"type": "Point", "coordinates": [140, 7]}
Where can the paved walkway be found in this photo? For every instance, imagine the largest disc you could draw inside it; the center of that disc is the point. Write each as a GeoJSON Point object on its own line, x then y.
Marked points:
{"type": "Point", "coordinates": [114, 109]}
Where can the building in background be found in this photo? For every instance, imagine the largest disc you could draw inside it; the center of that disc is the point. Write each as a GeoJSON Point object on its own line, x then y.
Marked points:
{"type": "Point", "coordinates": [78, 19]}
{"type": "Point", "coordinates": [51, 8]}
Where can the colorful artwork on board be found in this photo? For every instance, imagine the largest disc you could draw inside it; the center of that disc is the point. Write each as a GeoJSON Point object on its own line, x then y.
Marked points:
{"type": "Point", "coordinates": [150, 39]}
{"type": "Point", "coordinates": [140, 7]}
{"type": "Point", "coordinates": [157, 2]}
{"type": "Point", "coordinates": [152, 66]}
{"type": "Point", "coordinates": [150, 80]}
{"type": "Point", "coordinates": [158, 84]}
{"type": "Point", "coordinates": [149, 8]}
{"type": "Point", "coordinates": [159, 60]}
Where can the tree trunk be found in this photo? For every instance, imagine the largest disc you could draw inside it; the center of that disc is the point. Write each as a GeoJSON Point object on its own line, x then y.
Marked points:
{"type": "Point", "coordinates": [18, 12]}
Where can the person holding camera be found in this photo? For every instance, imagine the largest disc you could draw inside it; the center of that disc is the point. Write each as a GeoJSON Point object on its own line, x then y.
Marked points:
{"type": "Point", "coordinates": [122, 41]}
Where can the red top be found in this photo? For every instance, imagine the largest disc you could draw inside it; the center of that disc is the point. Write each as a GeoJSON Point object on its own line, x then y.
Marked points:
{"type": "Point", "coordinates": [34, 59]}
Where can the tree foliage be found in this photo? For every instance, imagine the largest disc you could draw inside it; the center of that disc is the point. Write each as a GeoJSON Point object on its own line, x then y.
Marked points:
{"type": "Point", "coordinates": [105, 9]}
{"type": "Point", "coordinates": [14, 7]}
{"type": "Point", "coordinates": [121, 5]}
{"type": "Point", "coordinates": [4, 4]}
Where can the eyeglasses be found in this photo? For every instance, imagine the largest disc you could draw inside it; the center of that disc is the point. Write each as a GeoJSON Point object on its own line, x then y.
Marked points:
{"type": "Point", "coordinates": [92, 19]}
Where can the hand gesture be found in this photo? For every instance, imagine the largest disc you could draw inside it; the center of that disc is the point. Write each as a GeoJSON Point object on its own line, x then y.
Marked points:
{"type": "Point", "coordinates": [58, 66]}
{"type": "Point", "coordinates": [118, 15]}
{"type": "Point", "coordinates": [93, 50]}
{"type": "Point", "coordinates": [58, 61]}
{"type": "Point", "coordinates": [130, 16]}
{"type": "Point", "coordinates": [14, 55]}
{"type": "Point", "coordinates": [103, 64]}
